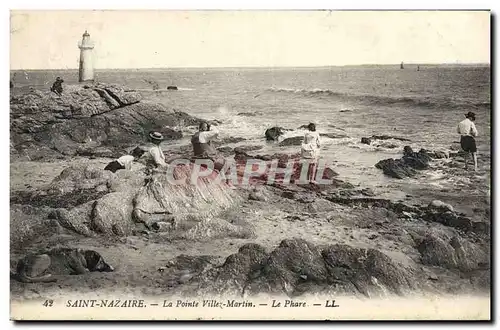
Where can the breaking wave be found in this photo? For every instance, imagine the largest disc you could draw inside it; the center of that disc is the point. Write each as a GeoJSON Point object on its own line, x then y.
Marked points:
{"type": "Point", "coordinates": [430, 102]}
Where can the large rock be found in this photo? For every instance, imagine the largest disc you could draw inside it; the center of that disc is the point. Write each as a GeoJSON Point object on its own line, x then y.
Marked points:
{"type": "Point", "coordinates": [27, 223]}
{"type": "Point", "coordinates": [91, 201]}
{"type": "Point", "coordinates": [366, 140]}
{"type": "Point", "coordinates": [407, 166]}
{"type": "Point", "coordinates": [298, 267]}
{"type": "Point", "coordinates": [106, 115]}
{"type": "Point", "coordinates": [273, 133]}
{"type": "Point", "coordinates": [160, 196]}
{"type": "Point", "coordinates": [396, 168]}
{"type": "Point", "coordinates": [112, 214]}
{"type": "Point", "coordinates": [454, 253]}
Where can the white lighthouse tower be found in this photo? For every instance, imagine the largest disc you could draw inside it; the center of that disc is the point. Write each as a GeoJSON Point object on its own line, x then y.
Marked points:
{"type": "Point", "coordinates": [86, 66]}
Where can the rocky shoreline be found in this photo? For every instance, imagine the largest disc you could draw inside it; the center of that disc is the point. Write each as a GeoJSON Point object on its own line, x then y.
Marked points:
{"type": "Point", "coordinates": [266, 238]}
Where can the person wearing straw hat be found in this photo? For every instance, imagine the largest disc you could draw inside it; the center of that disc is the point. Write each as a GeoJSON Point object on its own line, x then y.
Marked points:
{"type": "Point", "coordinates": [467, 130]}
{"type": "Point", "coordinates": [156, 155]}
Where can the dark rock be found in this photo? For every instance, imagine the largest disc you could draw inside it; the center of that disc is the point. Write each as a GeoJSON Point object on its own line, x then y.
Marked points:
{"type": "Point", "coordinates": [105, 115]}
{"type": "Point", "coordinates": [292, 141]}
{"type": "Point", "coordinates": [366, 269]}
{"type": "Point", "coordinates": [172, 88]}
{"type": "Point", "coordinates": [273, 133]}
{"type": "Point", "coordinates": [333, 135]}
{"type": "Point", "coordinates": [469, 256]}
{"type": "Point", "coordinates": [367, 192]}
{"type": "Point", "coordinates": [366, 140]}
{"type": "Point", "coordinates": [395, 168]}
{"type": "Point", "coordinates": [407, 166]}
{"type": "Point", "coordinates": [297, 267]}
{"type": "Point", "coordinates": [249, 114]}
{"type": "Point", "coordinates": [450, 219]}
{"type": "Point", "coordinates": [281, 271]}
{"type": "Point", "coordinates": [456, 253]}
{"type": "Point", "coordinates": [436, 252]}
{"type": "Point", "coordinates": [388, 145]}
{"type": "Point", "coordinates": [388, 137]}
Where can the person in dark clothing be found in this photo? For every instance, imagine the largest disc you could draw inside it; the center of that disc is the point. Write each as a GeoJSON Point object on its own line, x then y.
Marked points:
{"type": "Point", "coordinates": [468, 132]}
{"type": "Point", "coordinates": [57, 86]}
{"type": "Point", "coordinates": [203, 148]}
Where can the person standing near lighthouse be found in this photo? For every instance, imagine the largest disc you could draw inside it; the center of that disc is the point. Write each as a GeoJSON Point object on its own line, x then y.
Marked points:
{"type": "Point", "coordinates": [86, 72]}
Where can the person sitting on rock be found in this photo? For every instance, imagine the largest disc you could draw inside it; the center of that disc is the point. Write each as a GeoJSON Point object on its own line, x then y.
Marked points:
{"type": "Point", "coordinates": [202, 146]}
{"type": "Point", "coordinates": [124, 162]}
{"type": "Point", "coordinates": [310, 149]}
{"type": "Point", "coordinates": [467, 130]}
{"type": "Point", "coordinates": [57, 86]}
{"type": "Point", "coordinates": [156, 157]}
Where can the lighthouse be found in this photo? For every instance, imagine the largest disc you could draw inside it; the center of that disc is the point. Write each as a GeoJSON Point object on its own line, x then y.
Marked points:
{"type": "Point", "coordinates": [86, 72]}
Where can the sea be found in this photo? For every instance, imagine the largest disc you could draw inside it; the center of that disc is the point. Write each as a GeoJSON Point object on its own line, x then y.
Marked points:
{"type": "Point", "coordinates": [422, 104]}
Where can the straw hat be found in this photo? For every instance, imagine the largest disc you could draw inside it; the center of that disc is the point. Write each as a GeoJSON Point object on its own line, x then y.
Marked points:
{"type": "Point", "coordinates": [156, 136]}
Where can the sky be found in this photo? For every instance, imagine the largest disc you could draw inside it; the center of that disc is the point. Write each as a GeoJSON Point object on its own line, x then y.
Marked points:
{"type": "Point", "coordinates": [171, 39]}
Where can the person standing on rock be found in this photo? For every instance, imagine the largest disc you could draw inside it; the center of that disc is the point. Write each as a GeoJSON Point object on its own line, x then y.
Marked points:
{"type": "Point", "coordinates": [310, 149]}
{"type": "Point", "coordinates": [467, 130]}
{"type": "Point", "coordinates": [57, 86]}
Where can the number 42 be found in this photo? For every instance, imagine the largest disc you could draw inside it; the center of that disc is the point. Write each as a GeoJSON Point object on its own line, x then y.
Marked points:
{"type": "Point", "coordinates": [48, 303]}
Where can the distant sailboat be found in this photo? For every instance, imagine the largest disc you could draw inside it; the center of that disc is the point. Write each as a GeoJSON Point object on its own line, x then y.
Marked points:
{"type": "Point", "coordinates": [402, 66]}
